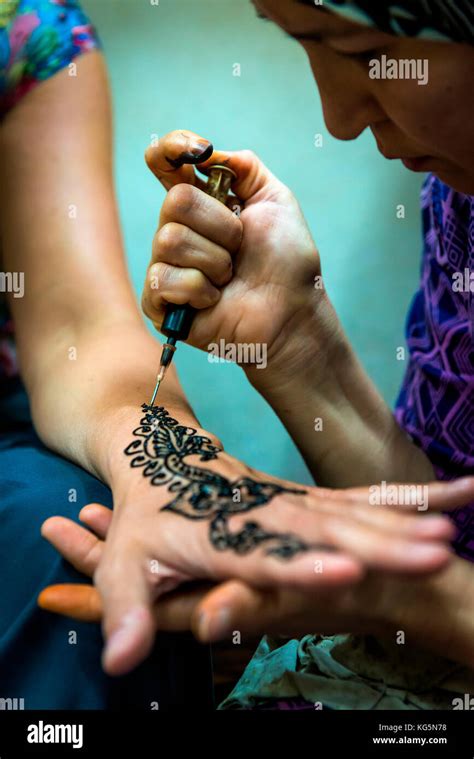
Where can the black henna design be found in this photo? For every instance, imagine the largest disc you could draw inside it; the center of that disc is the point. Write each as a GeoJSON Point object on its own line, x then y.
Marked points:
{"type": "Point", "coordinates": [161, 448]}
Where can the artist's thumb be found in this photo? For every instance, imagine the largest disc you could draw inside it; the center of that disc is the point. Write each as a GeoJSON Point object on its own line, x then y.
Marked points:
{"type": "Point", "coordinates": [128, 624]}
{"type": "Point", "coordinates": [252, 175]}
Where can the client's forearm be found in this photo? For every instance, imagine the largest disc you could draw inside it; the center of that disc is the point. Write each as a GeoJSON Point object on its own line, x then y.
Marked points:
{"type": "Point", "coordinates": [82, 397]}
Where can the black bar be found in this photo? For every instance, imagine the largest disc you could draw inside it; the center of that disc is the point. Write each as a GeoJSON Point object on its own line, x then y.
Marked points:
{"type": "Point", "coordinates": [318, 734]}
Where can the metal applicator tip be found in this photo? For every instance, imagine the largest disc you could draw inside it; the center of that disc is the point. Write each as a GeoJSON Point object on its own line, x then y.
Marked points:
{"type": "Point", "coordinates": [158, 383]}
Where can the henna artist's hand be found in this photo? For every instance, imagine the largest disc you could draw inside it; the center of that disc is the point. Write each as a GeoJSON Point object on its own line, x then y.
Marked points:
{"type": "Point", "coordinates": [433, 609]}
{"type": "Point", "coordinates": [250, 274]}
{"type": "Point", "coordinates": [435, 612]}
{"type": "Point", "coordinates": [197, 527]}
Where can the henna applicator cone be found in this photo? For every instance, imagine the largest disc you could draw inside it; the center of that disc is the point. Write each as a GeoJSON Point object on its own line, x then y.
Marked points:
{"type": "Point", "coordinates": [178, 319]}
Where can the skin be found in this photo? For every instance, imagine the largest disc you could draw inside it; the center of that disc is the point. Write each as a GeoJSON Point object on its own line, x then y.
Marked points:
{"type": "Point", "coordinates": [428, 127]}
{"type": "Point", "coordinates": [407, 120]}
{"type": "Point", "coordinates": [58, 139]}
{"type": "Point", "coordinates": [436, 611]}
{"type": "Point", "coordinates": [270, 298]}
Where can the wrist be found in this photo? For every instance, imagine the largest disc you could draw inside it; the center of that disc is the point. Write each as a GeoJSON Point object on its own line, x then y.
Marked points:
{"type": "Point", "coordinates": [309, 353]}
{"type": "Point", "coordinates": [116, 432]}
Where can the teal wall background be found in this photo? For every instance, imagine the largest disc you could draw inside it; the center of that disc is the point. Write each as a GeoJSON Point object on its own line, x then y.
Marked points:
{"type": "Point", "coordinates": [171, 67]}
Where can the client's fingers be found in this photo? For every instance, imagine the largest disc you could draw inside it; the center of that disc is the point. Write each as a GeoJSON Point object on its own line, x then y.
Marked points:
{"type": "Point", "coordinates": [128, 624]}
{"type": "Point", "coordinates": [82, 602]}
{"type": "Point", "coordinates": [97, 517]}
{"type": "Point", "coordinates": [173, 611]}
{"type": "Point", "coordinates": [79, 546]}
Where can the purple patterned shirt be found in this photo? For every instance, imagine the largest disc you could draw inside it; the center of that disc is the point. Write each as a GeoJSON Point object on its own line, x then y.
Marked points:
{"type": "Point", "coordinates": [436, 402]}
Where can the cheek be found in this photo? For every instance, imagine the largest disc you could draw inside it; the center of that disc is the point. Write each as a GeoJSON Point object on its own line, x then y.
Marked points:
{"type": "Point", "coordinates": [414, 109]}
{"type": "Point", "coordinates": [438, 115]}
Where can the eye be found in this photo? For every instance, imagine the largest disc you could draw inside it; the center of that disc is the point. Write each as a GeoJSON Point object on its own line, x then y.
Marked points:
{"type": "Point", "coordinates": [362, 56]}
{"type": "Point", "coordinates": [305, 37]}
{"type": "Point", "coordinates": [366, 55]}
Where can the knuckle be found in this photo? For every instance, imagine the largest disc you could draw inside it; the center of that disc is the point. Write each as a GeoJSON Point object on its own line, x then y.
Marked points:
{"type": "Point", "coordinates": [217, 442]}
{"type": "Point", "coordinates": [328, 528]}
{"type": "Point", "coordinates": [162, 274]}
{"type": "Point", "coordinates": [170, 237]}
{"type": "Point", "coordinates": [180, 199]}
{"type": "Point", "coordinates": [195, 280]}
{"type": "Point", "coordinates": [223, 270]}
{"type": "Point", "coordinates": [248, 155]}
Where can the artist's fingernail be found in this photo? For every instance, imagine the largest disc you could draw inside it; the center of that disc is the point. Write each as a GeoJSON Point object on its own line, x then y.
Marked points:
{"type": "Point", "coordinates": [214, 626]}
{"type": "Point", "coordinates": [122, 638]}
{"type": "Point", "coordinates": [198, 153]}
{"type": "Point", "coordinates": [199, 148]}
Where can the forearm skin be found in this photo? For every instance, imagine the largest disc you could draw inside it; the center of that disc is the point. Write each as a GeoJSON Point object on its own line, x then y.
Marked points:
{"type": "Point", "coordinates": [318, 377]}
{"type": "Point", "coordinates": [99, 394]}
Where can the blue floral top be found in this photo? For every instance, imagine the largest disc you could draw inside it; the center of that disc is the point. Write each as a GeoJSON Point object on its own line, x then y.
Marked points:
{"type": "Point", "coordinates": [38, 38]}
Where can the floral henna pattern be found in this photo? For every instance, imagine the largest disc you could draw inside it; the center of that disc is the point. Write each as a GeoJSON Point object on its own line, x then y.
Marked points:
{"type": "Point", "coordinates": [161, 448]}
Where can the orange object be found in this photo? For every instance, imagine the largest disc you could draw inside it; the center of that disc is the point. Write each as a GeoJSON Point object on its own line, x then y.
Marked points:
{"type": "Point", "coordinates": [81, 602]}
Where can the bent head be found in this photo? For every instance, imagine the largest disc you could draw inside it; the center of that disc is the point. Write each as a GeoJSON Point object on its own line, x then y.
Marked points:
{"type": "Point", "coordinates": [415, 95]}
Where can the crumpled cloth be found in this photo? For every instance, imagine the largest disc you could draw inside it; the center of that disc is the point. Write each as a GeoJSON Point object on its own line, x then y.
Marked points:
{"type": "Point", "coordinates": [349, 672]}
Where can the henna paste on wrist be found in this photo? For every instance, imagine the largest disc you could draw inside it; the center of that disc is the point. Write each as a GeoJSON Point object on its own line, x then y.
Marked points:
{"type": "Point", "coordinates": [161, 448]}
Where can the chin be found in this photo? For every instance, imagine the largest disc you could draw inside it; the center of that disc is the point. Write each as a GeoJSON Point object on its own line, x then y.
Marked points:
{"type": "Point", "coordinates": [459, 180]}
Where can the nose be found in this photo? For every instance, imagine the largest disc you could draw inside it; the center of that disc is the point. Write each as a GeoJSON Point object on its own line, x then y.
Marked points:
{"type": "Point", "coordinates": [349, 105]}
{"type": "Point", "coordinates": [346, 121]}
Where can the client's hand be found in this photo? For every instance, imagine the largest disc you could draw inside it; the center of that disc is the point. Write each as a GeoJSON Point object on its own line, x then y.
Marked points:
{"type": "Point", "coordinates": [430, 609]}
{"type": "Point", "coordinates": [150, 550]}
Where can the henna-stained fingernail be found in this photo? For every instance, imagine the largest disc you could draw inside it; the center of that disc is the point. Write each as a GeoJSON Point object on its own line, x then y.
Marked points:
{"type": "Point", "coordinates": [198, 154]}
